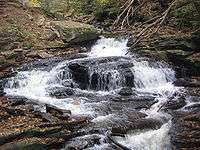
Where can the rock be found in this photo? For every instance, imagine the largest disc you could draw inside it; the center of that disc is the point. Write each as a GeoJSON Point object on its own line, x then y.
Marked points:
{"type": "Point", "coordinates": [126, 92]}
{"type": "Point", "coordinates": [61, 113]}
{"type": "Point", "coordinates": [47, 117]}
{"type": "Point", "coordinates": [80, 75]}
{"type": "Point", "coordinates": [195, 40]}
{"type": "Point", "coordinates": [75, 32]}
{"type": "Point", "coordinates": [83, 142]}
{"type": "Point", "coordinates": [8, 39]}
{"type": "Point", "coordinates": [61, 92]}
{"type": "Point", "coordinates": [187, 82]}
{"type": "Point", "coordinates": [136, 102]}
{"type": "Point", "coordinates": [17, 56]}
{"type": "Point", "coordinates": [42, 64]}
{"type": "Point", "coordinates": [39, 54]}
{"type": "Point", "coordinates": [193, 107]}
{"type": "Point", "coordinates": [184, 131]}
{"type": "Point", "coordinates": [139, 124]}
{"type": "Point", "coordinates": [183, 52]}
{"type": "Point", "coordinates": [174, 43]}
{"type": "Point", "coordinates": [4, 64]}
{"type": "Point", "coordinates": [98, 73]}
{"type": "Point", "coordinates": [25, 144]}
{"type": "Point", "coordinates": [174, 104]}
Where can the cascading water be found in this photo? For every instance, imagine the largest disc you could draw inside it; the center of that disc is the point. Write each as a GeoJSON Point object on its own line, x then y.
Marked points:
{"type": "Point", "coordinates": [104, 72]}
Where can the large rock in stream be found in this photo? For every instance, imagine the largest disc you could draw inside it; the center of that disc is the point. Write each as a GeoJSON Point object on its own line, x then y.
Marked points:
{"type": "Point", "coordinates": [106, 73]}
{"type": "Point", "coordinates": [74, 32]}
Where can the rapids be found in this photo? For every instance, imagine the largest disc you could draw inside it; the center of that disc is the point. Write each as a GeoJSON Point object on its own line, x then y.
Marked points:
{"type": "Point", "coordinates": [91, 87]}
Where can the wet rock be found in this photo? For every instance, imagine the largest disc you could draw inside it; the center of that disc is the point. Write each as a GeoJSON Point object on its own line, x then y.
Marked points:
{"type": "Point", "coordinates": [60, 113]}
{"type": "Point", "coordinates": [61, 92]}
{"type": "Point", "coordinates": [4, 64]}
{"type": "Point", "coordinates": [139, 124]}
{"type": "Point", "coordinates": [74, 32]}
{"type": "Point", "coordinates": [136, 102]}
{"type": "Point", "coordinates": [129, 77]}
{"type": "Point", "coordinates": [185, 128]}
{"type": "Point", "coordinates": [126, 92]}
{"type": "Point", "coordinates": [46, 117]}
{"type": "Point", "coordinates": [80, 75]}
{"type": "Point", "coordinates": [83, 142]}
{"type": "Point", "coordinates": [187, 82]}
{"type": "Point", "coordinates": [193, 107]}
{"type": "Point", "coordinates": [25, 144]}
{"type": "Point", "coordinates": [174, 104]}
{"type": "Point", "coordinates": [195, 40]}
{"type": "Point", "coordinates": [12, 112]}
{"type": "Point", "coordinates": [2, 93]}
{"type": "Point", "coordinates": [7, 74]}
{"type": "Point", "coordinates": [184, 131]}
{"type": "Point", "coordinates": [192, 91]}
{"type": "Point", "coordinates": [99, 73]}
{"type": "Point", "coordinates": [41, 64]}
{"type": "Point", "coordinates": [77, 56]}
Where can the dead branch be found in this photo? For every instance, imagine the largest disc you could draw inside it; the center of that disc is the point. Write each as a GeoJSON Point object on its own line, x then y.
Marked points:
{"type": "Point", "coordinates": [159, 21]}
{"type": "Point", "coordinates": [123, 12]}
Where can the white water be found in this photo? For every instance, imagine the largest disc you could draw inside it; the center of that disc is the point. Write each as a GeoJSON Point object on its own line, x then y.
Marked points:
{"type": "Point", "coordinates": [148, 140]}
{"type": "Point", "coordinates": [148, 78]}
{"type": "Point", "coordinates": [109, 47]}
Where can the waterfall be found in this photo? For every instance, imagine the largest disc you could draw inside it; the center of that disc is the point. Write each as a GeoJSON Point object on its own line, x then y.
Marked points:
{"type": "Point", "coordinates": [107, 68]}
{"type": "Point", "coordinates": [109, 47]}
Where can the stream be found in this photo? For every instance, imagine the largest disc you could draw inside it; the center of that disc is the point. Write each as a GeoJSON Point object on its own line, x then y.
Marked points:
{"type": "Point", "coordinates": [121, 93]}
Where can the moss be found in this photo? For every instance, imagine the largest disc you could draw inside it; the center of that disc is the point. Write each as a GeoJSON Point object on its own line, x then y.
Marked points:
{"type": "Point", "coordinates": [61, 8]}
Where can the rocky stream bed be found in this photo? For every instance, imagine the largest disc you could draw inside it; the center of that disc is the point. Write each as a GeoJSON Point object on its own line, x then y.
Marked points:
{"type": "Point", "coordinates": [102, 98]}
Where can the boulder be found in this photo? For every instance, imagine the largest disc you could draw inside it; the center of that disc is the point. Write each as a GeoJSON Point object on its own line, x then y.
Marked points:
{"type": "Point", "coordinates": [74, 32]}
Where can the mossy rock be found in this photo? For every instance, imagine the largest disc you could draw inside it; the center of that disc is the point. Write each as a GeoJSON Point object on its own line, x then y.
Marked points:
{"type": "Point", "coordinates": [74, 32]}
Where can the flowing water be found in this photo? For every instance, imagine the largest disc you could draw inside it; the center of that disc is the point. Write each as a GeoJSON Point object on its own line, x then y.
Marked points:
{"type": "Point", "coordinates": [96, 81]}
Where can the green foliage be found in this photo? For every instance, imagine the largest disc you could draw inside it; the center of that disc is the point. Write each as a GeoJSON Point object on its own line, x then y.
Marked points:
{"type": "Point", "coordinates": [185, 17]}
{"type": "Point", "coordinates": [61, 8]}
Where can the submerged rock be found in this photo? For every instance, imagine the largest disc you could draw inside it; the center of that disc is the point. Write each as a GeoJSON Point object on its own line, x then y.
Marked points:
{"type": "Point", "coordinates": [61, 92]}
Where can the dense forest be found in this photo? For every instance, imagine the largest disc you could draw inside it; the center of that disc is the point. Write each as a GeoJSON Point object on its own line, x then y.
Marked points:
{"type": "Point", "coordinates": [100, 74]}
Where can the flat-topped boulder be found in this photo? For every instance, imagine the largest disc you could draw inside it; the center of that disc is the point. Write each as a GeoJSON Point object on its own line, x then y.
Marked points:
{"type": "Point", "coordinates": [74, 32]}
